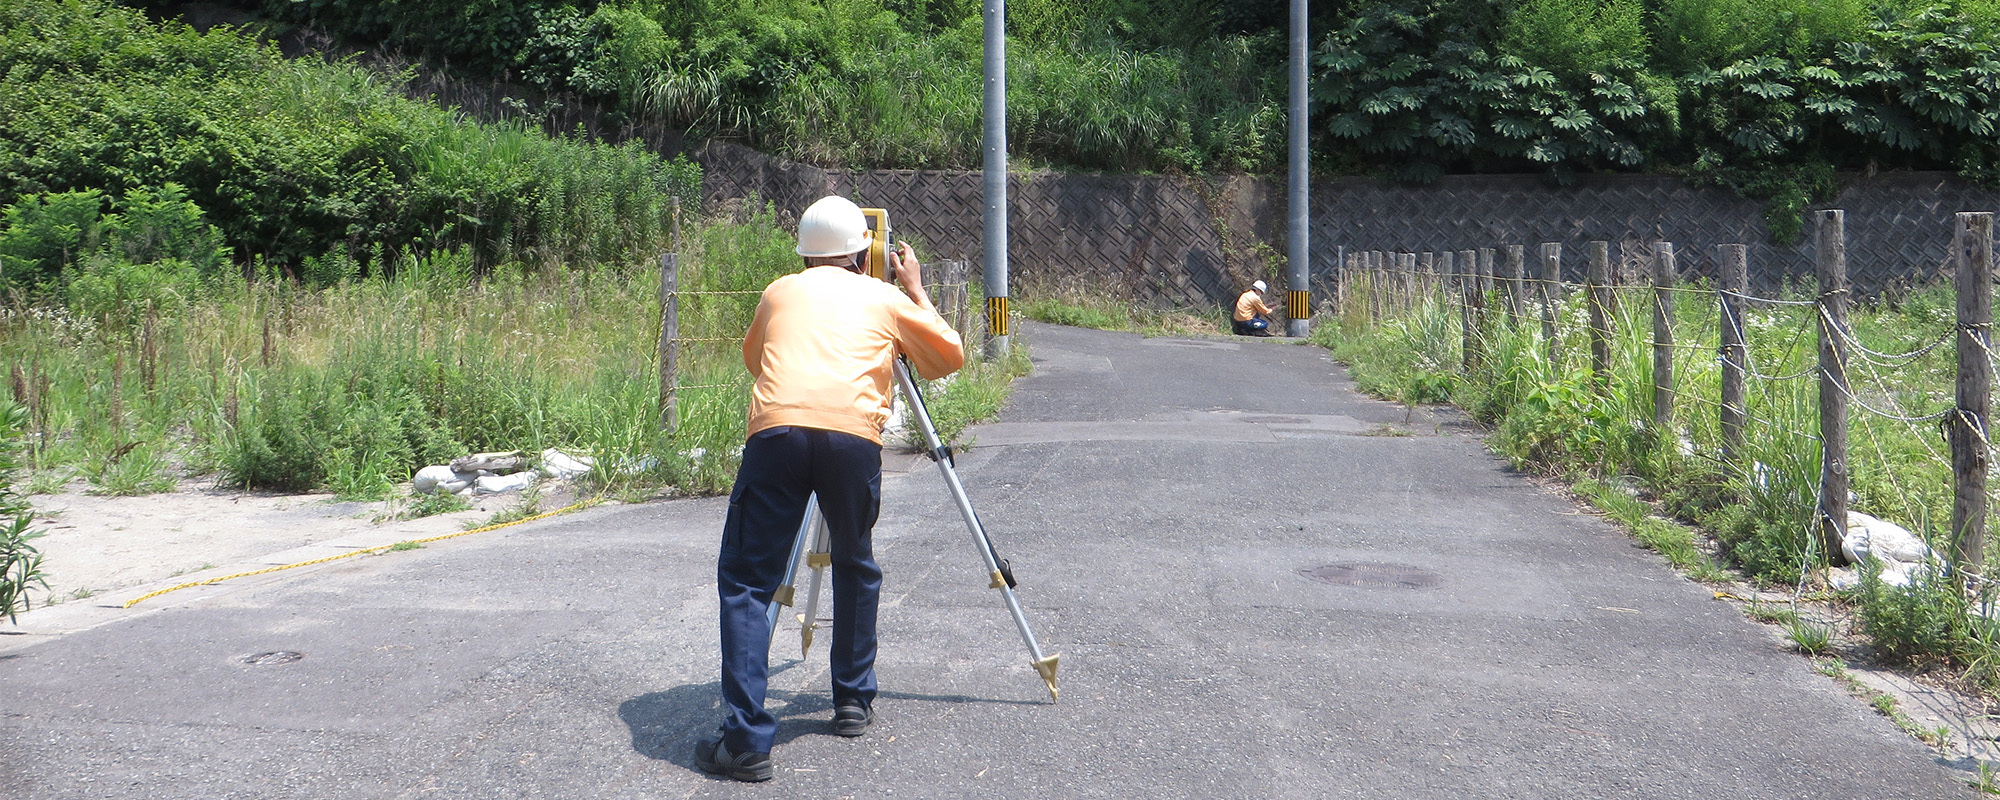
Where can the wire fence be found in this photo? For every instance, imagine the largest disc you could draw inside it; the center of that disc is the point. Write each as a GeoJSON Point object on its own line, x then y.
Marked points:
{"type": "Point", "coordinates": [1731, 362]}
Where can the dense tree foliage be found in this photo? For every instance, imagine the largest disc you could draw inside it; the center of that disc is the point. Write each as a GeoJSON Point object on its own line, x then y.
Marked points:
{"type": "Point", "coordinates": [123, 141]}
{"type": "Point", "coordinates": [1766, 96]}
{"type": "Point", "coordinates": [1769, 97]}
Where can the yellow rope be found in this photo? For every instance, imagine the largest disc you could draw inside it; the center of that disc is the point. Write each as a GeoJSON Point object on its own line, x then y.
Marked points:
{"type": "Point", "coordinates": [544, 515]}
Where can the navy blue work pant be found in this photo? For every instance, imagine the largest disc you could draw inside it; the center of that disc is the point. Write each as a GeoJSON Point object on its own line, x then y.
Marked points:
{"type": "Point", "coordinates": [781, 468]}
{"type": "Point", "coordinates": [1254, 326]}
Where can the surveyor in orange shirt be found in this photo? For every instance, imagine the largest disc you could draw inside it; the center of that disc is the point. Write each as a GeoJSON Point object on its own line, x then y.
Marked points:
{"type": "Point", "coordinates": [1252, 315]}
{"type": "Point", "coordinates": [822, 348]}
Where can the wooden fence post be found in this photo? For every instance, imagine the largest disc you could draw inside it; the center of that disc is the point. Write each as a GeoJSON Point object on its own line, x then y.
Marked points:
{"type": "Point", "coordinates": [1517, 286]}
{"type": "Point", "coordinates": [1341, 292]}
{"type": "Point", "coordinates": [1735, 355]}
{"type": "Point", "coordinates": [1972, 246]}
{"type": "Point", "coordinates": [1598, 286]}
{"type": "Point", "coordinates": [1830, 254]}
{"type": "Point", "coordinates": [1468, 268]}
{"type": "Point", "coordinates": [1408, 269]}
{"type": "Point", "coordinates": [1417, 279]}
{"type": "Point", "coordinates": [1551, 292]}
{"type": "Point", "coordinates": [1663, 338]}
{"type": "Point", "coordinates": [1486, 256]}
{"type": "Point", "coordinates": [1427, 263]}
{"type": "Point", "coordinates": [670, 330]}
{"type": "Point", "coordinates": [1375, 306]}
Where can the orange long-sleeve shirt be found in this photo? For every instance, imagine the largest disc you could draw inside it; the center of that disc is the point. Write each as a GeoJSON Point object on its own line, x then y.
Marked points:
{"type": "Point", "coordinates": [1250, 304]}
{"type": "Point", "coordinates": [822, 345]}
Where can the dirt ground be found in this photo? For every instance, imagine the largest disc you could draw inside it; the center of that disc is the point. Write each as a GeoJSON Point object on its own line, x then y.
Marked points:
{"type": "Point", "coordinates": [94, 545]}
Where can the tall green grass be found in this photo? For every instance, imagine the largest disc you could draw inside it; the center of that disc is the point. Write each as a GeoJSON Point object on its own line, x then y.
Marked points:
{"type": "Point", "coordinates": [271, 385]}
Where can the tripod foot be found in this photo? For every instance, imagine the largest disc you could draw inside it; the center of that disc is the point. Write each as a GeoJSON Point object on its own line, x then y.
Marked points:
{"type": "Point", "coordinates": [805, 636]}
{"type": "Point", "coordinates": [1047, 667]}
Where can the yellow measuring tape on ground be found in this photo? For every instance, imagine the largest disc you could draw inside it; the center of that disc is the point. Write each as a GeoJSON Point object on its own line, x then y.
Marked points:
{"type": "Point", "coordinates": [544, 515]}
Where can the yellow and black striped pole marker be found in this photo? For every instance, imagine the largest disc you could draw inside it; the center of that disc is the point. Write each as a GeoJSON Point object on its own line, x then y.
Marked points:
{"type": "Point", "coordinates": [1298, 304]}
{"type": "Point", "coordinates": [996, 317]}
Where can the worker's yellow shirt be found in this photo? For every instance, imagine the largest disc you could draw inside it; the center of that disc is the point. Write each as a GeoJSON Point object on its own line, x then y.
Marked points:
{"type": "Point", "coordinates": [822, 345]}
{"type": "Point", "coordinates": [1250, 304]}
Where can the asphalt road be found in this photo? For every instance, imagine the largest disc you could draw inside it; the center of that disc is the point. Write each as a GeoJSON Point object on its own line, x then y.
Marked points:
{"type": "Point", "coordinates": [1261, 585]}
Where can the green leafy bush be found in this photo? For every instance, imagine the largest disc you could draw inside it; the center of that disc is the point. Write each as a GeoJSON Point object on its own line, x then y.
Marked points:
{"type": "Point", "coordinates": [293, 158]}
{"type": "Point", "coordinates": [20, 562]}
{"type": "Point", "coordinates": [46, 233]}
{"type": "Point", "coordinates": [1927, 619]}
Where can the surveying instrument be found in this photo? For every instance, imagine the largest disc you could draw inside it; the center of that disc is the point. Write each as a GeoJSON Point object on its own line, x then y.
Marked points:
{"type": "Point", "coordinates": [813, 527]}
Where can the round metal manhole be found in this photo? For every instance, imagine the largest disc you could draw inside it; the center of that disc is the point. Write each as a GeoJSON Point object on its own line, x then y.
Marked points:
{"type": "Point", "coordinates": [1370, 575]}
{"type": "Point", "coordinates": [272, 658]}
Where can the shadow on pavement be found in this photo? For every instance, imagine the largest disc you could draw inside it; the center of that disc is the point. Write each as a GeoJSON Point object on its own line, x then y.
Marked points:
{"type": "Point", "coordinates": [665, 725]}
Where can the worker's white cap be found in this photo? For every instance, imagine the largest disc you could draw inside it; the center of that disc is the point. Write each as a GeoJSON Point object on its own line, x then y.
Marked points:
{"type": "Point", "coordinates": [1259, 286]}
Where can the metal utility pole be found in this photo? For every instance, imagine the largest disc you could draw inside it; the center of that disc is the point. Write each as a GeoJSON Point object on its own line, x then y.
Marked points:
{"type": "Point", "coordinates": [994, 179]}
{"type": "Point", "coordinates": [1298, 302]}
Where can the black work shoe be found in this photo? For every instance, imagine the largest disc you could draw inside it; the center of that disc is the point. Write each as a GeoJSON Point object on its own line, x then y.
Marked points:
{"type": "Point", "coordinates": [852, 720]}
{"type": "Point", "coordinates": [713, 757]}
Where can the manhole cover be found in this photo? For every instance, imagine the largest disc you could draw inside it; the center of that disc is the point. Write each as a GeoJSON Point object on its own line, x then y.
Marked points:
{"type": "Point", "coordinates": [1277, 420]}
{"type": "Point", "coordinates": [273, 657]}
{"type": "Point", "coordinates": [1375, 576]}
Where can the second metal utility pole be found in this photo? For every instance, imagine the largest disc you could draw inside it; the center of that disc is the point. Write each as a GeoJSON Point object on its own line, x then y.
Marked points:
{"type": "Point", "coordinates": [1298, 277]}
{"type": "Point", "coordinates": [994, 179]}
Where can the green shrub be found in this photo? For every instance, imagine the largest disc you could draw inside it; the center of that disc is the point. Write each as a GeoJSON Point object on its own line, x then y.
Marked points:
{"type": "Point", "coordinates": [1926, 620]}
{"type": "Point", "coordinates": [109, 288]}
{"type": "Point", "coordinates": [280, 445]}
{"type": "Point", "coordinates": [20, 562]}
{"type": "Point", "coordinates": [152, 226]}
{"type": "Point", "coordinates": [1574, 38]}
{"type": "Point", "coordinates": [46, 233]}
{"type": "Point", "coordinates": [293, 158]}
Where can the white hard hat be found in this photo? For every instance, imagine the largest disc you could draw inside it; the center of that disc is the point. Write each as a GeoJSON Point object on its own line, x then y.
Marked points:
{"type": "Point", "coordinates": [1259, 286]}
{"type": "Point", "coordinates": [832, 226]}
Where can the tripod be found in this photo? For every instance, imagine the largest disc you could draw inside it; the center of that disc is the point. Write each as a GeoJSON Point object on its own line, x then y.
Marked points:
{"type": "Point", "coordinates": [819, 557]}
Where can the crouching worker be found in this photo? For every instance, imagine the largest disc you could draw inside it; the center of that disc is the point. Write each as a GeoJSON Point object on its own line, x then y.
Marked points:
{"type": "Point", "coordinates": [1252, 315]}
{"type": "Point", "coordinates": [821, 348]}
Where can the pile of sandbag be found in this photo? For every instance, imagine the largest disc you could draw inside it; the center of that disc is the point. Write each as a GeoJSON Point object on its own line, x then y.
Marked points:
{"type": "Point", "coordinates": [494, 473]}
{"type": "Point", "coordinates": [1901, 556]}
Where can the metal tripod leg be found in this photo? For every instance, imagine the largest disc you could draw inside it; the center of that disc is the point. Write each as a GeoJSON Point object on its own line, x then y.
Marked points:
{"type": "Point", "coordinates": [783, 596]}
{"type": "Point", "coordinates": [1002, 576]}
{"type": "Point", "coordinates": [818, 558]}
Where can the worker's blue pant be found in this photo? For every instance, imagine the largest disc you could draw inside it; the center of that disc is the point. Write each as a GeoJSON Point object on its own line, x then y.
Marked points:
{"type": "Point", "coordinates": [781, 468]}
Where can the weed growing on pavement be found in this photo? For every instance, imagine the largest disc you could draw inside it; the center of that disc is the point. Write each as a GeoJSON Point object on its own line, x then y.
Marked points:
{"type": "Point", "coordinates": [523, 507]}
{"type": "Point", "coordinates": [433, 504]}
{"type": "Point", "coordinates": [1985, 779]}
{"type": "Point", "coordinates": [1812, 638]}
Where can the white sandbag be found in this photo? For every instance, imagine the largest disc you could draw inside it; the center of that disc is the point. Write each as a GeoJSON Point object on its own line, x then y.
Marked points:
{"type": "Point", "coordinates": [440, 478]}
{"type": "Point", "coordinates": [563, 466]}
{"type": "Point", "coordinates": [1902, 554]}
{"type": "Point", "coordinates": [501, 462]}
{"type": "Point", "coordinates": [496, 484]}
{"type": "Point", "coordinates": [894, 429]}
{"type": "Point", "coordinates": [1867, 535]}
